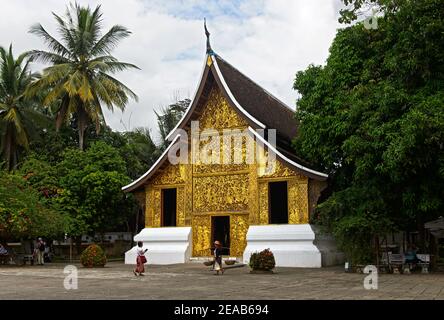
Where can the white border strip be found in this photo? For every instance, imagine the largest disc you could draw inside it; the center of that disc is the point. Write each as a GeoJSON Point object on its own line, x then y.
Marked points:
{"type": "Point", "coordinates": [230, 94]}
{"type": "Point", "coordinates": [191, 103]}
{"type": "Point", "coordinates": [297, 165]}
{"type": "Point", "coordinates": [153, 166]}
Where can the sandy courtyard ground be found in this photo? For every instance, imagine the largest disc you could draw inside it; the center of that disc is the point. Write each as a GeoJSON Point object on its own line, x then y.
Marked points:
{"type": "Point", "coordinates": [195, 281]}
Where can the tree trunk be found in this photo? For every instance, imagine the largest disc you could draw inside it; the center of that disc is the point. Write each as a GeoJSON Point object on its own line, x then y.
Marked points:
{"type": "Point", "coordinates": [82, 124]}
{"type": "Point", "coordinates": [10, 147]}
{"type": "Point", "coordinates": [377, 250]}
{"type": "Point", "coordinates": [78, 241]}
{"type": "Point", "coordinates": [421, 233]}
{"type": "Point", "coordinates": [81, 137]}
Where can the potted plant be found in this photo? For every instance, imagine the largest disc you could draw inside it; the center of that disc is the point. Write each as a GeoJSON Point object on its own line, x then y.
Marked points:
{"type": "Point", "coordinates": [93, 256]}
{"type": "Point", "coordinates": [262, 262]}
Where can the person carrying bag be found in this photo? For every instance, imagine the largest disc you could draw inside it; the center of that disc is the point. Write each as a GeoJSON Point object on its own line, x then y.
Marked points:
{"type": "Point", "coordinates": [140, 260]}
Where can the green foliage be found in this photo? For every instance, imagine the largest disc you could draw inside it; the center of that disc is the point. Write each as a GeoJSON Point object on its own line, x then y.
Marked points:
{"type": "Point", "coordinates": [23, 214]}
{"type": "Point", "coordinates": [263, 260]}
{"type": "Point", "coordinates": [93, 256]}
{"type": "Point", "coordinates": [373, 119]}
{"type": "Point", "coordinates": [16, 115]}
{"type": "Point", "coordinates": [90, 184]}
{"type": "Point", "coordinates": [169, 117]}
{"type": "Point", "coordinates": [80, 79]}
{"type": "Point", "coordinates": [41, 176]}
{"type": "Point", "coordinates": [355, 8]}
{"type": "Point", "coordinates": [135, 147]}
{"type": "Point", "coordinates": [54, 178]}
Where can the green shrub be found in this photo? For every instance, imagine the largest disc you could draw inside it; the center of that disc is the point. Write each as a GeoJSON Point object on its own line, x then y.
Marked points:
{"type": "Point", "coordinates": [263, 260]}
{"type": "Point", "coordinates": [93, 256]}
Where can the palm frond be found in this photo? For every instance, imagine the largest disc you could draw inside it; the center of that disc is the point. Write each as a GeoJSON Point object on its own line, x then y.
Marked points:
{"type": "Point", "coordinates": [45, 56]}
{"type": "Point", "coordinates": [119, 84]}
{"type": "Point", "coordinates": [50, 41]}
{"type": "Point", "coordinates": [110, 40]}
{"type": "Point", "coordinates": [65, 32]}
{"type": "Point", "coordinates": [113, 66]}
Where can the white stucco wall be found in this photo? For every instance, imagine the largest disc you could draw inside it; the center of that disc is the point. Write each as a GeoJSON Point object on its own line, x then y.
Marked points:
{"type": "Point", "coordinates": [292, 245]}
{"type": "Point", "coordinates": [165, 245]}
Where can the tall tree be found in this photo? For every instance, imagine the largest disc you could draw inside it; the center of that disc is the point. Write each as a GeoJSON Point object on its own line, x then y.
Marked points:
{"type": "Point", "coordinates": [87, 181]}
{"type": "Point", "coordinates": [373, 117]}
{"type": "Point", "coordinates": [23, 213]}
{"type": "Point", "coordinates": [80, 79]}
{"type": "Point", "coordinates": [354, 9]}
{"type": "Point", "coordinates": [15, 110]}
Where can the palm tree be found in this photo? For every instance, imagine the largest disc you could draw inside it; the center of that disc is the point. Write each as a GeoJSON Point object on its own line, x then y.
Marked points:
{"type": "Point", "coordinates": [15, 110]}
{"type": "Point", "coordinates": [168, 118]}
{"type": "Point", "coordinates": [80, 78]}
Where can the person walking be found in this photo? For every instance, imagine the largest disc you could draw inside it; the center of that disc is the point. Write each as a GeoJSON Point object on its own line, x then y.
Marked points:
{"type": "Point", "coordinates": [40, 252]}
{"type": "Point", "coordinates": [140, 260]}
{"type": "Point", "coordinates": [217, 266]}
{"type": "Point", "coordinates": [4, 254]}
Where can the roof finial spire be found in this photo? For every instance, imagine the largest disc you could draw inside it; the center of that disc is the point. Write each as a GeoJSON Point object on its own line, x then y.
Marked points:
{"type": "Point", "coordinates": [209, 50]}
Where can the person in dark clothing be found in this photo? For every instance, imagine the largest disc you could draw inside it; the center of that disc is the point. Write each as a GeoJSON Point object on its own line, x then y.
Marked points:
{"type": "Point", "coordinates": [218, 258]}
{"type": "Point", "coordinates": [40, 251]}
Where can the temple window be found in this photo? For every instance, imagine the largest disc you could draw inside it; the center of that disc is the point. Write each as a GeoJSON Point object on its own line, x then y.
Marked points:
{"type": "Point", "coordinates": [220, 226]}
{"type": "Point", "coordinates": [278, 202]}
{"type": "Point", "coordinates": [169, 201]}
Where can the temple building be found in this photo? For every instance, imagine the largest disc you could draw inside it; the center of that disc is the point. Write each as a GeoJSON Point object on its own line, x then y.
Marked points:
{"type": "Point", "coordinates": [247, 205]}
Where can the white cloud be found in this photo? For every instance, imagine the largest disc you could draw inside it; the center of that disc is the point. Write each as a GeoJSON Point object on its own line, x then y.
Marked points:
{"type": "Point", "coordinates": [268, 40]}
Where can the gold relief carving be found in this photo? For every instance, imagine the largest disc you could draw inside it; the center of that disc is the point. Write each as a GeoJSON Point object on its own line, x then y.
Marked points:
{"type": "Point", "coordinates": [274, 168]}
{"type": "Point", "coordinates": [226, 155]}
{"type": "Point", "coordinates": [157, 207]}
{"type": "Point", "coordinates": [180, 217]}
{"type": "Point", "coordinates": [218, 168]}
{"type": "Point", "coordinates": [149, 209]}
{"type": "Point", "coordinates": [223, 147]}
{"type": "Point", "coordinates": [218, 114]}
{"type": "Point", "coordinates": [263, 203]}
{"type": "Point", "coordinates": [297, 202]}
{"type": "Point", "coordinates": [188, 194]}
{"type": "Point", "coordinates": [253, 205]}
{"type": "Point", "coordinates": [172, 174]}
{"type": "Point", "coordinates": [238, 234]}
{"type": "Point", "coordinates": [278, 170]}
{"type": "Point", "coordinates": [283, 171]}
{"type": "Point", "coordinates": [201, 236]}
{"type": "Point", "coordinates": [221, 193]}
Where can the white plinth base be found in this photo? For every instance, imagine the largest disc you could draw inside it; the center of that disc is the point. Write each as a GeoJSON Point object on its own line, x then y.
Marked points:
{"type": "Point", "coordinates": [292, 245]}
{"type": "Point", "coordinates": [165, 245]}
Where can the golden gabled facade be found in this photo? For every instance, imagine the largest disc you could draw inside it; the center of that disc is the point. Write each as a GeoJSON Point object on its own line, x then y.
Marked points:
{"type": "Point", "coordinates": [238, 191]}
{"type": "Point", "coordinates": [225, 199]}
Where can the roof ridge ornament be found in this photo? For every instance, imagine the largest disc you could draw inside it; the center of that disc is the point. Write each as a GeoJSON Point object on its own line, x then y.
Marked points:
{"type": "Point", "coordinates": [207, 34]}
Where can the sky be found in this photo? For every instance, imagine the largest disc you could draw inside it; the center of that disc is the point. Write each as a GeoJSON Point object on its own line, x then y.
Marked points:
{"type": "Point", "coordinates": [267, 40]}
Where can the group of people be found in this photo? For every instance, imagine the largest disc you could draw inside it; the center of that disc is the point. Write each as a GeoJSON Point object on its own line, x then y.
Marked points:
{"type": "Point", "coordinates": [3, 250]}
{"type": "Point", "coordinates": [39, 251]}
{"type": "Point", "coordinates": [4, 254]}
{"type": "Point", "coordinates": [141, 259]}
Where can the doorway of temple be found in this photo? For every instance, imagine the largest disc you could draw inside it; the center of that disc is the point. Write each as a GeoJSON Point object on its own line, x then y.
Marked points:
{"type": "Point", "coordinates": [169, 203]}
{"type": "Point", "coordinates": [221, 232]}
